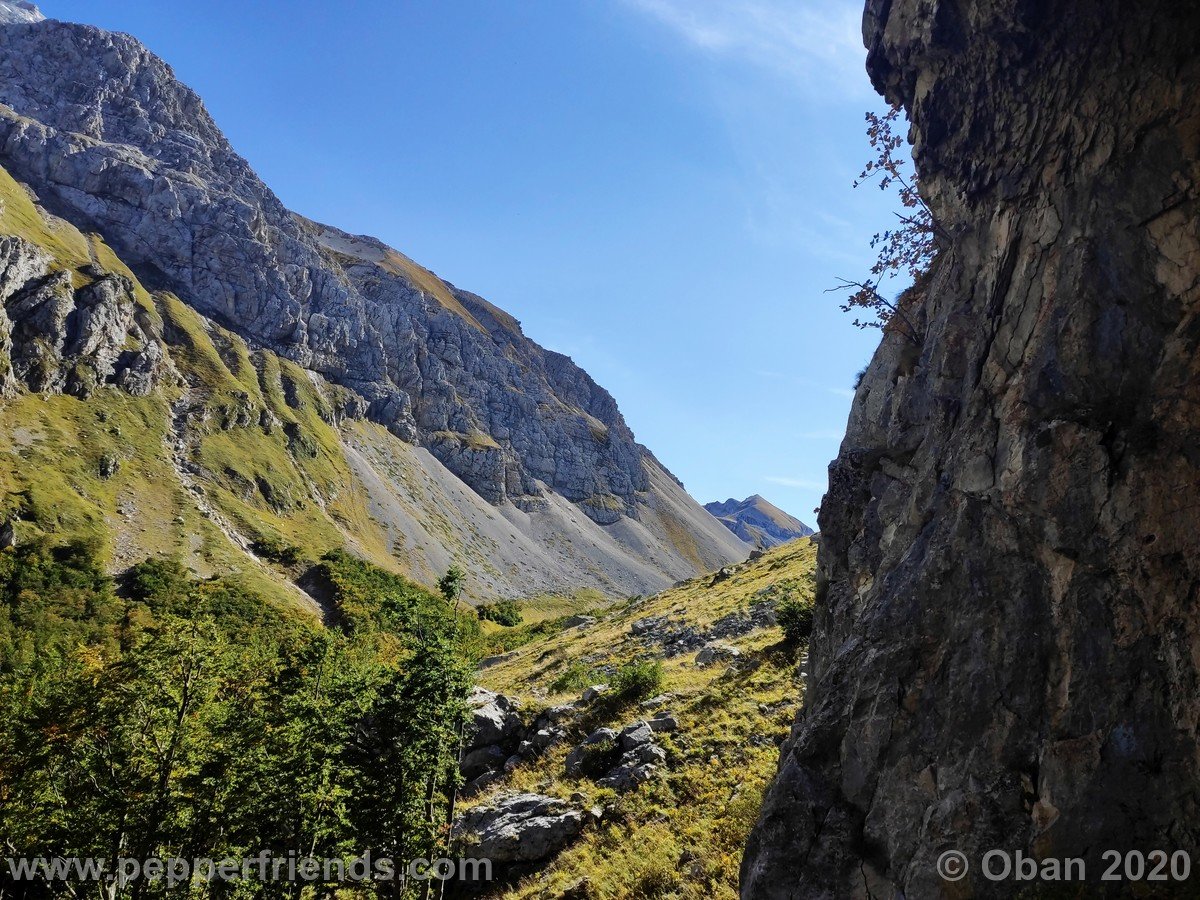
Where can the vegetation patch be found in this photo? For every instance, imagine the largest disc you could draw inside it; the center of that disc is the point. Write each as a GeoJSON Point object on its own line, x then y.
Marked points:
{"type": "Point", "coordinates": [172, 711]}
{"type": "Point", "coordinates": [502, 612]}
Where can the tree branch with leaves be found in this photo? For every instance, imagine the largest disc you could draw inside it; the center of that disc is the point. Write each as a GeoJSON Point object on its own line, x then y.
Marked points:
{"type": "Point", "coordinates": [904, 251]}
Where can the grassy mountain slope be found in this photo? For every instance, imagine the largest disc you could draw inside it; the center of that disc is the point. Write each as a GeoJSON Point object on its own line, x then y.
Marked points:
{"type": "Point", "coordinates": [680, 835]}
{"type": "Point", "coordinates": [243, 462]}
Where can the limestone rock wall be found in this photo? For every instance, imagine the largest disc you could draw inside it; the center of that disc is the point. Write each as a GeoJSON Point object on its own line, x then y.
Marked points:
{"type": "Point", "coordinates": [1007, 650]}
{"type": "Point", "coordinates": [56, 337]}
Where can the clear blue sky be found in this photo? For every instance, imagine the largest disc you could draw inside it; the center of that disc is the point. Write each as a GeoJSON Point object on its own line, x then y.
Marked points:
{"type": "Point", "coordinates": [659, 188]}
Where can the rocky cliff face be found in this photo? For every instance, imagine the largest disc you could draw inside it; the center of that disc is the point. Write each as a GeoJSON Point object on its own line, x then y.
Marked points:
{"type": "Point", "coordinates": [757, 521]}
{"type": "Point", "coordinates": [109, 140]}
{"type": "Point", "coordinates": [59, 338]}
{"type": "Point", "coordinates": [1006, 644]}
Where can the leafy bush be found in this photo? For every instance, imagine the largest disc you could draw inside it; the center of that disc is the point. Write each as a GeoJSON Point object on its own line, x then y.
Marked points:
{"type": "Point", "coordinates": [502, 612]}
{"type": "Point", "coordinates": [639, 680]}
{"type": "Point", "coordinates": [795, 617]}
{"type": "Point", "coordinates": [275, 550]}
{"type": "Point", "coordinates": [599, 758]}
{"type": "Point", "coordinates": [575, 677]}
{"type": "Point", "coordinates": [156, 581]}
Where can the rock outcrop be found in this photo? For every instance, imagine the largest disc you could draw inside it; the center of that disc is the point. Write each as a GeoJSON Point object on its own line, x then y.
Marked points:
{"type": "Point", "coordinates": [59, 338]}
{"type": "Point", "coordinates": [19, 11]}
{"type": "Point", "coordinates": [519, 828]}
{"type": "Point", "coordinates": [1005, 653]}
{"type": "Point", "coordinates": [622, 760]}
{"type": "Point", "coordinates": [758, 522]}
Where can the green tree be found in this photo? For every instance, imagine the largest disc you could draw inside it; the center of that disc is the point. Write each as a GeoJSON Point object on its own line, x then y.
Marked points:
{"type": "Point", "coordinates": [406, 752]}
{"type": "Point", "coordinates": [451, 585]}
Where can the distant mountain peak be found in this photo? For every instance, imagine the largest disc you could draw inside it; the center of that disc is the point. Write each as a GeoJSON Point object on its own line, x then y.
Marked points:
{"type": "Point", "coordinates": [19, 11]}
{"type": "Point", "coordinates": [757, 521]}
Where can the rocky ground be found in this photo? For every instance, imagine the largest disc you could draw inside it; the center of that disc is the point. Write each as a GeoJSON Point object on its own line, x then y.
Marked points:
{"type": "Point", "coordinates": [578, 792]}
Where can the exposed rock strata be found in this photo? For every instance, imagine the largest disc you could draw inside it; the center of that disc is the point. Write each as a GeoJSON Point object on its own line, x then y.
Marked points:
{"type": "Point", "coordinates": [1005, 652]}
{"type": "Point", "coordinates": [561, 493]}
{"type": "Point", "coordinates": [56, 338]}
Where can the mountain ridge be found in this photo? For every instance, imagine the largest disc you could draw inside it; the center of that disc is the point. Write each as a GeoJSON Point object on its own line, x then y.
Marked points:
{"type": "Point", "coordinates": [109, 141]}
{"type": "Point", "coordinates": [757, 521]}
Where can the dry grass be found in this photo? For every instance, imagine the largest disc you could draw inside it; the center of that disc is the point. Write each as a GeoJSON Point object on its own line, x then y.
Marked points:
{"type": "Point", "coordinates": [680, 836]}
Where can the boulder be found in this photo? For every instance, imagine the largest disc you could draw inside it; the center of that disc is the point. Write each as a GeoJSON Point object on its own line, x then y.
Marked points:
{"type": "Point", "coordinates": [628, 777]}
{"type": "Point", "coordinates": [556, 714]}
{"type": "Point", "coordinates": [480, 760]}
{"type": "Point", "coordinates": [494, 719]}
{"type": "Point", "coordinates": [715, 652]}
{"type": "Point", "coordinates": [663, 722]}
{"type": "Point", "coordinates": [656, 702]}
{"type": "Point", "coordinates": [575, 759]}
{"type": "Point", "coordinates": [593, 692]}
{"type": "Point", "coordinates": [647, 625]}
{"type": "Point", "coordinates": [618, 760]}
{"type": "Point", "coordinates": [520, 828]}
{"type": "Point", "coordinates": [635, 735]}
{"type": "Point", "coordinates": [579, 621]}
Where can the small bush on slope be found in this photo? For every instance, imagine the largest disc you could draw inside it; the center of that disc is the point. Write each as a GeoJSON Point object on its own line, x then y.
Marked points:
{"type": "Point", "coordinates": [639, 680]}
{"type": "Point", "coordinates": [502, 612]}
{"type": "Point", "coordinates": [575, 677]}
{"type": "Point", "coordinates": [795, 617]}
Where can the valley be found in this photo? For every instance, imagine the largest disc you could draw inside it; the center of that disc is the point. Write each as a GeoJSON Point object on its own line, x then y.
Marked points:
{"type": "Point", "coordinates": [309, 555]}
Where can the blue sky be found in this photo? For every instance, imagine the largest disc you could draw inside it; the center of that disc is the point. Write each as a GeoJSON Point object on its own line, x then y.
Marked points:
{"type": "Point", "coordinates": [659, 188]}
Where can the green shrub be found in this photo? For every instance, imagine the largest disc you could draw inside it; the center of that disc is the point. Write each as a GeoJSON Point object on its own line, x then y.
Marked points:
{"type": "Point", "coordinates": [159, 582]}
{"type": "Point", "coordinates": [277, 551]}
{"type": "Point", "coordinates": [639, 680]}
{"type": "Point", "coordinates": [514, 638]}
{"type": "Point", "coordinates": [795, 617]}
{"type": "Point", "coordinates": [575, 677]}
{"type": "Point", "coordinates": [502, 612]}
{"type": "Point", "coordinates": [599, 758]}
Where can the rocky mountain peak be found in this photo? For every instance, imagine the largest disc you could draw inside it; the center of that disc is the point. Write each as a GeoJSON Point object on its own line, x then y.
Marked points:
{"type": "Point", "coordinates": [757, 521]}
{"type": "Point", "coordinates": [18, 12]}
{"type": "Point", "coordinates": [107, 139]}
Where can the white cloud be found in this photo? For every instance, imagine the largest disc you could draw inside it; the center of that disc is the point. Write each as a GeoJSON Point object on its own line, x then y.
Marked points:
{"type": "Point", "coordinates": [806, 484]}
{"type": "Point", "coordinates": [812, 42]}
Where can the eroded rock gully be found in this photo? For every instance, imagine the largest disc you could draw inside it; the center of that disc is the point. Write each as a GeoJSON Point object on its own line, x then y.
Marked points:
{"type": "Point", "coordinates": [1008, 639]}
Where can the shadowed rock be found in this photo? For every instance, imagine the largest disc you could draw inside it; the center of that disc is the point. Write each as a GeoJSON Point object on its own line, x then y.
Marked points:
{"type": "Point", "coordinates": [1006, 624]}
